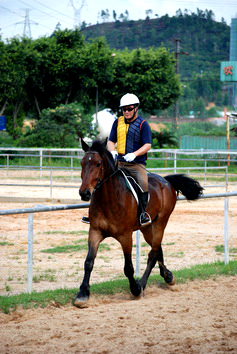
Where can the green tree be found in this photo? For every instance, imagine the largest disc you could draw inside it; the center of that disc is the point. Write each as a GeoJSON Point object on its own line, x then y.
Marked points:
{"type": "Point", "coordinates": [199, 108]}
{"type": "Point", "coordinates": [17, 56]}
{"type": "Point", "coordinates": [150, 74]}
{"type": "Point", "coordinates": [162, 139]}
{"type": "Point", "coordinates": [60, 68]}
{"type": "Point", "coordinates": [59, 127]}
{"type": "Point", "coordinates": [219, 99]}
{"type": "Point", "coordinates": [149, 13]}
{"type": "Point", "coordinates": [70, 70]}
{"type": "Point", "coordinates": [105, 15]}
{"type": "Point", "coordinates": [114, 15]}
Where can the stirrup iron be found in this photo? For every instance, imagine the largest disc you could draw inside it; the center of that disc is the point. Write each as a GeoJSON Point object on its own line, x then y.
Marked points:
{"type": "Point", "coordinates": [148, 219]}
{"type": "Point", "coordinates": [85, 219]}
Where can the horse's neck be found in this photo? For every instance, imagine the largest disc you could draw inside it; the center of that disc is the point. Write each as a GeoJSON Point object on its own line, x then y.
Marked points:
{"type": "Point", "coordinates": [112, 186]}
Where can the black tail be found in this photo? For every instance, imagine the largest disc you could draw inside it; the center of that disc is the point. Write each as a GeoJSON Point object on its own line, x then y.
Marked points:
{"type": "Point", "coordinates": [189, 187]}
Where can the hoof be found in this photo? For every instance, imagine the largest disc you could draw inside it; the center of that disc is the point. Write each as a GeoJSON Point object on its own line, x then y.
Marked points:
{"type": "Point", "coordinates": [171, 281]}
{"type": "Point", "coordinates": [139, 296]}
{"type": "Point", "coordinates": [81, 302]}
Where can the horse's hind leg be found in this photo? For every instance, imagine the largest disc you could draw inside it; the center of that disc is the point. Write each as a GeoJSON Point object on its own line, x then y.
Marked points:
{"type": "Point", "coordinates": [153, 236]}
{"type": "Point", "coordinates": [151, 262]}
{"type": "Point", "coordinates": [126, 243]}
{"type": "Point", "coordinates": [164, 272]}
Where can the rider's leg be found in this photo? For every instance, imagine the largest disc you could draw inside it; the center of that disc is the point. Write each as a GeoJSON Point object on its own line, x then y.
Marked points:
{"type": "Point", "coordinates": [138, 171]}
{"type": "Point", "coordinates": [145, 218]}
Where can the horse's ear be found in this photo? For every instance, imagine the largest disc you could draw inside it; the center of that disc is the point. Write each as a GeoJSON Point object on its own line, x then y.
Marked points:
{"type": "Point", "coordinates": [105, 142]}
{"type": "Point", "coordinates": [84, 145]}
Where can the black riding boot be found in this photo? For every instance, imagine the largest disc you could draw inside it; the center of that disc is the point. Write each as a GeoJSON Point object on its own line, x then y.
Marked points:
{"type": "Point", "coordinates": [145, 218]}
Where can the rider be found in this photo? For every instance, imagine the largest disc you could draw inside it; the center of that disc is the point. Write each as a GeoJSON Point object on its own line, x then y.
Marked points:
{"type": "Point", "coordinates": [132, 134]}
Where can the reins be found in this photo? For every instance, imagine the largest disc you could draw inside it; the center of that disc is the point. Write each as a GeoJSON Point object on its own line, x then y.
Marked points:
{"type": "Point", "coordinates": [101, 183]}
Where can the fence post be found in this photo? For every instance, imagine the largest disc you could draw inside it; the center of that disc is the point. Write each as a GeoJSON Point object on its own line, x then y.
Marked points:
{"type": "Point", "coordinates": [205, 170]}
{"type": "Point", "coordinates": [138, 252]}
{"type": "Point", "coordinates": [41, 162]}
{"type": "Point", "coordinates": [226, 180]}
{"type": "Point", "coordinates": [51, 184]}
{"type": "Point", "coordinates": [226, 236]}
{"type": "Point", "coordinates": [175, 161]}
{"type": "Point", "coordinates": [30, 253]}
{"type": "Point", "coordinates": [7, 164]}
{"type": "Point", "coordinates": [71, 167]}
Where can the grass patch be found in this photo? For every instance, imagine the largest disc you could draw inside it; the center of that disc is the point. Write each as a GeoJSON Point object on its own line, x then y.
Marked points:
{"type": "Point", "coordinates": [56, 232]}
{"type": "Point", "coordinates": [177, 254]}
{"type": "Point", "coordinates": [143, 244]}
{"type": "Point", "coordinates": [63, 297]}
{"type": "Point", "coordinates": [5, 243]}
{"type": "Point", "coordinates": [221, 249]}
{"type": "Point", "coordinates": [48, 275]}
{"type": "Point", "coordinates": [83, 245]}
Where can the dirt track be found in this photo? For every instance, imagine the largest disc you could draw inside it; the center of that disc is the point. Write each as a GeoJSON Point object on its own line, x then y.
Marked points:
{"type": "Point", "coordinates": [200, 317]}
{"type": "Point", "coordinates": [193, 232]}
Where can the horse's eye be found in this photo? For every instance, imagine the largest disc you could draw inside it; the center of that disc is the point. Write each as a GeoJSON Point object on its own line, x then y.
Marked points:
{"type": "Point", "coordinates": [98, 164]}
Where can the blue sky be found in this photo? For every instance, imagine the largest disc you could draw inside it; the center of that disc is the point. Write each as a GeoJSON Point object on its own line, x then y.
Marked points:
{"type": "Point", "coordinates": [45, 14]}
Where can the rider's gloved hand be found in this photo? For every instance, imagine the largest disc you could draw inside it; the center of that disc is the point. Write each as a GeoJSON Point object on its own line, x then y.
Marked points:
{"type": "Point", "coordinates": [129, 157]}
{"type": "Point", "coordinates": [114, 154]}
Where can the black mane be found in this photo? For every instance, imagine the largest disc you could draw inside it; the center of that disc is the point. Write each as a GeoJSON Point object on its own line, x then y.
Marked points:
{"type": "Point", "coordinates": [100, 147]}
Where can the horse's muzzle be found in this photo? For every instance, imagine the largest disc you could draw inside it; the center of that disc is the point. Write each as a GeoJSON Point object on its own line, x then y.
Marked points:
{"type": "Point", "coordinates": [85, 195]}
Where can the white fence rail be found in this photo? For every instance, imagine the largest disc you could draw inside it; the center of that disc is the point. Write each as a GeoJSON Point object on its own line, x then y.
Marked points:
{"type": "Point", "coordinates": [42, 208]}
{"type": "Point", "coordinates": [168, 154]}
{"type": "Point", "coordinates": [51, 185]}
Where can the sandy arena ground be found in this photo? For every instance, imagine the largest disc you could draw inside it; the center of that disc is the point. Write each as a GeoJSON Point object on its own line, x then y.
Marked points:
{"type": "Point", "coordinates": [199, 317]}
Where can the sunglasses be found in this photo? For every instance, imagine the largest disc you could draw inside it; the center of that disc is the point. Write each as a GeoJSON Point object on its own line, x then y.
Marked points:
{"type": "Point", "coordinates": [129, 109]}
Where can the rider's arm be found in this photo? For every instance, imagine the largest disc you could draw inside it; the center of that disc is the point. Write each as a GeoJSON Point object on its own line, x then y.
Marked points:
{"type": "Point", "coordinates": [143, 150]}
{"type": "Point", "coordinates": [111, 145]}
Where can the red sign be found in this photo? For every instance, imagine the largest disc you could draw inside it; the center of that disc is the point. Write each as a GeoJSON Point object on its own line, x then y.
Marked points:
{"type": "Point", "coordinates": [228, 70]}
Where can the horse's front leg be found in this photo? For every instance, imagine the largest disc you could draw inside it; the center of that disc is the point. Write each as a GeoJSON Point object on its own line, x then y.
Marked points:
{"type": "Point", "coordinates": [126, 243]}
{"type": "Point", "coordinates": [93, 244]}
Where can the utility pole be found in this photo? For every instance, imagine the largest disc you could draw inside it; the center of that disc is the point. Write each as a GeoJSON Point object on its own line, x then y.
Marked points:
{"type": "Point", "coordinates": [176, 108]}
{"type": "Point", "coordinates": [27, 23]}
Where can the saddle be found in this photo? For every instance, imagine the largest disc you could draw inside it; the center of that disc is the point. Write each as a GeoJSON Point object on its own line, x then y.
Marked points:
{"type": "Point", "coordinates": [135, 189]}
{"type": "Point", "coordinates": [132, 184]}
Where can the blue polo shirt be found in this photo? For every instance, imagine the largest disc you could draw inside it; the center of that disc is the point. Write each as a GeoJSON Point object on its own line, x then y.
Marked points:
{"type": "Point", "coordinates": [145, 138]}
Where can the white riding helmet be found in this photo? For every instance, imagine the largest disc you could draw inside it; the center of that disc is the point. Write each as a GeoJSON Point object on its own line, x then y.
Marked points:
{"type": "Point", "coordinates": [129, 99]}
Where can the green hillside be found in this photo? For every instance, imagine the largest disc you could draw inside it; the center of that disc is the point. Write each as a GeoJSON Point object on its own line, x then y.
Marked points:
{"type": "Point", "coordinates": [204, 42]}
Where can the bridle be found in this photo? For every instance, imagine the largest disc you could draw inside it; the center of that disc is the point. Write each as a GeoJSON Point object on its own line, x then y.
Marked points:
{"type": "Point", "coordinates": [101, 181]}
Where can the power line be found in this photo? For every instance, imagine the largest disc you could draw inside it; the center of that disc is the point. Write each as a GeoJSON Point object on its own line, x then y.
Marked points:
{"type": "Point", "coordinates": [13, 12]}
{"type": "Point", "coordinates": [50, 8]}
{"type": "Point", "coordinates": [43, 12]}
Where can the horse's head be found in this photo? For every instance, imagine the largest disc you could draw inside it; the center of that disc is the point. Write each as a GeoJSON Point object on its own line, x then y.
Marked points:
{"type": "Point", "coordinates": [93, 167]}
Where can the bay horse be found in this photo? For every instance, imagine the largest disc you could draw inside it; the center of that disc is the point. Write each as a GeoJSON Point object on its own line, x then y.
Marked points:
{"type": "Point", "coordinates": [113, 212]}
